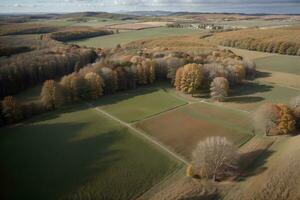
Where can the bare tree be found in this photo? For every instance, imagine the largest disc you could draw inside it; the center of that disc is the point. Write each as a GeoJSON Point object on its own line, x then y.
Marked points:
{"type": "Point", "coordinates": [250, 67]}
{"type": "Point", "coordinates": [265, 118]}
{"type": "Point", "coordinates": [215, 158]}
{"type": "Point", "coordinates": [219, 88]}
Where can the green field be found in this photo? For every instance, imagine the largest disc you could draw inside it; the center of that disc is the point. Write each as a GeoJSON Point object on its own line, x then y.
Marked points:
{"type": "Point", "coordinates": [111, 41]}
{"type": "Point", "coordinates": [280, 63]}
{"type": "Point", "coordinates": [250, 96]}
{"type": "Point", "coordinates": [183, 128]}
{"type": "Point", "coordinates": [134, 105]}
{"type": "Point", "coordinates": [77, 153]}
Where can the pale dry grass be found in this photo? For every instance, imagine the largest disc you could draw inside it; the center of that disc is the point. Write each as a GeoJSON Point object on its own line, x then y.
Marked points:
{"type": "Point", "coordinates": [280, 178]}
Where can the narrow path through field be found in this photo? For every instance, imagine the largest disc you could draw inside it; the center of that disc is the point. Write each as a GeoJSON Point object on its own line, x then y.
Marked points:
{"type": "Point", "coordinates": [139, 132]}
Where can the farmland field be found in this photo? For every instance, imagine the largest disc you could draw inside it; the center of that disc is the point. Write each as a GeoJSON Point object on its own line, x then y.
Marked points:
{"type": "Point", "coordinates": [77, 153]}
{"type": "Point", "coordinates": [126, 37]}
{"type": "Point", "coordinates": [280, 63]}
{"type": "Point", "coordinates": [181, 129]}
{"type": "Point", "coordinates": [138, 104]}
{"type": "Point", "coordinates": [250, 96]}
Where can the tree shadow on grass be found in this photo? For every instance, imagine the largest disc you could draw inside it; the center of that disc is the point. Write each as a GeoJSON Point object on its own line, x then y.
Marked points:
{"type": "Point", "coordinates": [125, 95]}
{"type": "Point", "coordinates": [253, 163]}
{"type": "Point", "coordinates": [250, 88]}
{"type": "Point", "coordinates": [260, 74]}
{"type": "Point", "coordinates": [50, 161]}
{"type": "Point", "coordinates": [246, 99]}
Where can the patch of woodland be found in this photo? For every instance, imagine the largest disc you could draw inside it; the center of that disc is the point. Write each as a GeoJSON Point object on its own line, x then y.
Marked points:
{"type": "Point", "coordinates": [21, 71]}
{"type": "Point", "coordinates": [25, 28]}
{"type": "Point", "coordinates": [78, 33]}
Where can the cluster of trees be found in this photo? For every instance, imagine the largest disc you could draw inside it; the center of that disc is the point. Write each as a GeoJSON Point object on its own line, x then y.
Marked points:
{"type": "Point", "coordinates": [216, 71]}
{"type": "Point", "coordinates": [21, 71]}
{"type": "Point", "coordinates": [69, 35]}
{"type": "Point", "coordinates": [282, 47]}
{"type": "Point", "coordinates": [12, 111]}
{"type": "Point", "coordinates": [214, 158]}
{"type": "Point", "coordinates": [278, 119]}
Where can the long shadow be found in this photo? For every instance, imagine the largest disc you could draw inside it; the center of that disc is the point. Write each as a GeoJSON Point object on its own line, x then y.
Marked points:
{"type": "Point", "coordinates": [250, 88]}
{"type": "Point", "coordinates": [247, 99]}
{"type": "Point", "coordinates": [253, 163]}
{"type": "Point", "coordinates": [49, 161]}
{"type": "Point", "coordinates": [260, 74]}
{"type": "Point", "coordinates": [124, 95]}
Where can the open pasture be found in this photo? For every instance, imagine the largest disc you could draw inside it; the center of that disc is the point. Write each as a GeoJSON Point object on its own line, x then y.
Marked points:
{"type": "Point", "coordinates": [111, 41]}
{"type": "Point", "coordinates": [77, 153]}
{"type": "Point", "coordinates": [138, 26]}
{"type": "Point", "coordinates": [138, 104]}
{"type": "Point", "coordinates": [251, 95]}
{"type": "Point", "coordinates": [280, 63]}
{"type": "Point", "coordinates": [183, 128]}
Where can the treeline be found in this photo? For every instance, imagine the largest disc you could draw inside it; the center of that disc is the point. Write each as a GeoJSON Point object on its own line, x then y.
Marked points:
{"type": "Point", "coordinates": [8, 51]}
{"type": "Point", "coordinates": [120, 70]}
{"type": "Point", "coordinates": [91, 82]}
{"type": "Point", "coordinates": [65, 36]}
{"type": "Point", "coordinates": [22, 28]}
{"type": "Point", "coordinates": [287, 48]}
{"type": "Point", "coordinates": [22, 71]}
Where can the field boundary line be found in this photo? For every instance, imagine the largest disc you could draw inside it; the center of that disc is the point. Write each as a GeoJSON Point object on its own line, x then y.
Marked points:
{"type": "Point", "coordinates": [139, 132]}
{"type": "Point", "coordinates": [213, 104]}
{"type": "Point", "coordinates": [160, 113]}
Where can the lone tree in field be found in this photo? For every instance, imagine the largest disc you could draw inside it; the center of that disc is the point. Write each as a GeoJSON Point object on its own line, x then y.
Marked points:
{"type": "Point", "coordinates": [215, 158]}
{"type": "Point", "coordinates": [265, 118]}
{"type": "Point", "coordinates": [11, 110]}
{"type": "Point", "coordinates": [191, 79]}
{"type": "Point", "coordinates": [274, 119]}
{"type": "Point", "coordinates": [51, 95]}
{"type": "Point", "coordinates": [95, 83]}
{"type": "Point", "coordinates": [219, 89]}
{"type": "Point", "coordinates": [295, 107]}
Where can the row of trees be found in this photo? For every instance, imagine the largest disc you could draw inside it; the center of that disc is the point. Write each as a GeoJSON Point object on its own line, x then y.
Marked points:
{"type": "Point", "coordinates": [278, 119]}
{"type": "Point", "coordinates": [90, 82]}
{"type": "Point", "coordinates": [69, 35]}
{"type": "Point", "coordinates": [21, 71]}
{"type": "Point", "coordinates": [282, 47]}
{"type": "Point", "coordinates": [12, 111]}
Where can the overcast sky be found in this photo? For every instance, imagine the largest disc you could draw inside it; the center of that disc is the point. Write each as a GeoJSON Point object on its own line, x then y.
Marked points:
{"type": "Point", "coordinates": [246, 6]}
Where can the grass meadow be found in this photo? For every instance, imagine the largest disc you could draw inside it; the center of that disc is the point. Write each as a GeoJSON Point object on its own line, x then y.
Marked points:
{"type": "Point", "coordinates": [183, 128]}
{"type": "Point", "coordinates": [251, 95]}
{"type": "Point", "coordinates": [280, 63]}
{"type": "Point", "coordinates": [77, 153]}
{"type": "Point", "coordinates": [134, 105]}
{"type": "Point", "coordinates": [111, 41]}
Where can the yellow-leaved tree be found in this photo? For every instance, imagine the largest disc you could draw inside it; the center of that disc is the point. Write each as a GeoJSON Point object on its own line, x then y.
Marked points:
{"type": "Point", "coordinates": [95, 83]}
{"type": "Point", "coordinates": [192, 77]}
